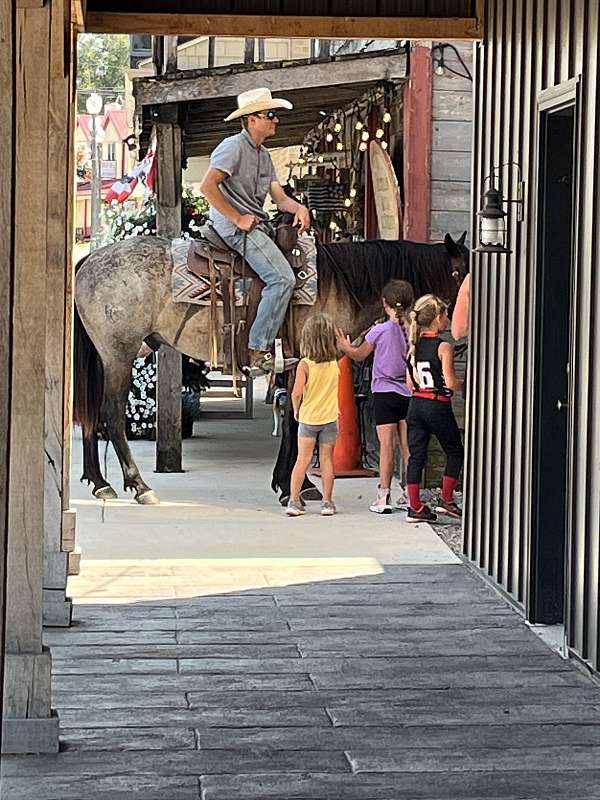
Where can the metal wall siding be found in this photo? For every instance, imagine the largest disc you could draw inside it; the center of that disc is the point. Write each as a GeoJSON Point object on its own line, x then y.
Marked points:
{"type": "Point", "coordinates": [531, 45]}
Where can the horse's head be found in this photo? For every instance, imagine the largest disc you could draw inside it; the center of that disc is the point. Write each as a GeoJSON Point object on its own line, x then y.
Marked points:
{"type": "Point", "coordinates": [459, 257]}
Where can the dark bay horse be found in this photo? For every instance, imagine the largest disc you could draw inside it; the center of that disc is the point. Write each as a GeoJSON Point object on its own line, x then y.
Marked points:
{"type": "Point", "coordinates": [123, 298]}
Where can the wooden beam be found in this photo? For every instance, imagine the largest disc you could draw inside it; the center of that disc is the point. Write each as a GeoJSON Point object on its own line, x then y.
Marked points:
{"type": "Point", "coordinates": [285, 25]}
{"type": "Point", "coordinates": [288, 77]}
{"type": "Point", "coordinates": [6, 261]}
{"type": "Point", "coordinates": [169, 55]}
{"type": "Point", "coordinates": [78, 12]}
{"type": "Point", "coordinates": [168, 224]}
{"type": "Point", "coordinates": [417, 147]}
{"type": "Point", "coordinates": [58, 319]}
{"type": "Point", "coordinates": [27, 663]}
{"type": "Point", "coordinates": [480, 11]}
{"type": "Point", "coordinates": [249, 45]}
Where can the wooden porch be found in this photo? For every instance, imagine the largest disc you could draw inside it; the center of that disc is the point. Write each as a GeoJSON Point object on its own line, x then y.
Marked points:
{"type": "Point", "coordinates": [415, 683]}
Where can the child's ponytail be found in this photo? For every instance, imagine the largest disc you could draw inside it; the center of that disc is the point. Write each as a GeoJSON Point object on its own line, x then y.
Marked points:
{"type": "Point", "coordinates": [398, 295]}
{"type": "Point", "coordinates": [426, 309]}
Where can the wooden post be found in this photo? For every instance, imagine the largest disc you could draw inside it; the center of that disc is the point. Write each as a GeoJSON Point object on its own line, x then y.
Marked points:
{"type": "Point", "coordinates": [417, 145]}
{"type": "Point", "coordinates": [249, 51]}
{"type": "Point", "coordinates": [57, 607]}
{"type": "Point", "coordinates": [29, 725]}
{"type": "Point", "coordinates": [168, 224]}
{"type": "Point", "coordinates": [211, 51]}
{"type": "Point", "coordinates": [261, 50]}
{"type": "Point", "coordinates": [6, 261]}
{"type": "Point", "coordinates": [170, 54]}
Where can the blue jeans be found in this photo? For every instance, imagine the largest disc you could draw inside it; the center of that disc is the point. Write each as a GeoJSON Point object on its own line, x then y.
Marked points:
{"type": "Point", "coordinates": [269, 263]}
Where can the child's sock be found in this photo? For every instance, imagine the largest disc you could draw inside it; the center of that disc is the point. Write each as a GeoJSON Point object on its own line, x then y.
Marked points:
{"type": "Point", "coordinates": [448, 487]}
{"type": "Point", "coordinates": [414, 496]}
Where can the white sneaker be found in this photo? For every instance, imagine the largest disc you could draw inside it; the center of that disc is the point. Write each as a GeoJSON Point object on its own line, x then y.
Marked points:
{"type": "Point", "coordinates": [401, 503]}
{"type": "Point", "coordinates": [382, 503]}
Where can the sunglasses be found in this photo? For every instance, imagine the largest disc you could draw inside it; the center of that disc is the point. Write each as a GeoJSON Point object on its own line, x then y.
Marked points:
{"type": "Point", "coordinates": [269, 115]}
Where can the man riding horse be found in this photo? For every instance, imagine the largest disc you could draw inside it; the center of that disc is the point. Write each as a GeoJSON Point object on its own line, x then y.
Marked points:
{"type": "Point", "coordinates": [240, 176]}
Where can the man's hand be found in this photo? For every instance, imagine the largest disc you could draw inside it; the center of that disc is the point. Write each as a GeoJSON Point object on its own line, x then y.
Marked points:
{"type": "Point", "coordinates": [302, 218]}
{"type": "Point", "coordinates": [247, 222]}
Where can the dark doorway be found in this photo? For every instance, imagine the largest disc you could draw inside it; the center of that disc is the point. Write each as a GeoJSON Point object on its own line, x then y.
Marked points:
{"type": "Point", "coordinates": [555, 272]}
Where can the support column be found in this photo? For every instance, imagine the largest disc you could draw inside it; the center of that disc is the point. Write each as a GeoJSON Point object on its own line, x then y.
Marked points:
{"type": "Point", "coordinates": [168, 224]}
{"type": "Point", "coordinates": [6, 263]}
{"type": "Point", "coordinates": [60, 557]}
{"type": "Point", "coordinates": [29, 724]}
{"type": "Point", "coordinates": [417, 144]}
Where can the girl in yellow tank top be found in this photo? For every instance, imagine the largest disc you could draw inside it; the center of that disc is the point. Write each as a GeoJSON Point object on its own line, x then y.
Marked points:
{"type": "Point", "coordinates": [315, 401]}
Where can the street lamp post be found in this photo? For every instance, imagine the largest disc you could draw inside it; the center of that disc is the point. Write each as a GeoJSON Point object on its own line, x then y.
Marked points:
{"type": "Point", "coordinates": [94, 108]}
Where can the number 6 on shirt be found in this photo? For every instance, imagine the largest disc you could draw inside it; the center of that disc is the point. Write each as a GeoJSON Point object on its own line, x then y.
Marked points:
{"type": "Point", "coordinates": [425, 377]}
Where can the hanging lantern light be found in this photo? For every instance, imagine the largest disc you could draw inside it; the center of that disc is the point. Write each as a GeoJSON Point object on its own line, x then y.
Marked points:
{"type": "Point", "coordinates": [379, 133]}
{"type": "Point", "coordinates": [365, 136]}
{"type": "Point", "coordinates": [339, 146]}
{"type": "Point", "coordinates": [320, 159]}
{"type": "Point", "coordinates": [384, 145]}
{"type": "Point", "coordinates": [359, 125]}
{"type": "Point", "coordinates": [387, 117]}
{"type": "Point", "coordinates": [333, 225]}
{"type": "Point", "coordinates": [337, 127]}
{"type": "Point", "coordinates": [362, 147]}
{"type": "Point", "coordinates": [347, 202]}
{"type": "Point", "coordinates": [353, 192]}
{"type": "Point", "coordinates": [492, 222]}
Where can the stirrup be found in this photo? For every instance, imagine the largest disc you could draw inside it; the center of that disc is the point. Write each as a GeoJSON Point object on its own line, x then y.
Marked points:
{"type": "Point", "coordinates": [279, 359]}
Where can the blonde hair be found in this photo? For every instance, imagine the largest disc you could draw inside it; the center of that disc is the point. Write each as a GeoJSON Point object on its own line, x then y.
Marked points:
{"type": "Point", "coordinates": [318, 339]}
{"type": "Point", "coordinates": [427, 309]}
{"type": "Point", "coordinates": [399, 295]}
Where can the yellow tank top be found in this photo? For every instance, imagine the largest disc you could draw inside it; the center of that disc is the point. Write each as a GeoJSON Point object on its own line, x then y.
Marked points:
{"type": "Point", "coordinates": [320, 397]}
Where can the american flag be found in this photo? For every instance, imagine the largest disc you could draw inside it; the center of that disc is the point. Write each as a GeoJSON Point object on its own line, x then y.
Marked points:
{"type": "Point", "coordinates": [145, 170]}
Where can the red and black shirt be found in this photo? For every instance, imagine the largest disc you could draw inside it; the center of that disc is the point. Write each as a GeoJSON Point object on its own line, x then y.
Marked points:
{"type": "Point", "coordinates": [426, 369]}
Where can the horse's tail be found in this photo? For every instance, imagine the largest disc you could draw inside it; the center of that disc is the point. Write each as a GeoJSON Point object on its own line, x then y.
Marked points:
{"type": "Point", "coordinates": [88, 384]}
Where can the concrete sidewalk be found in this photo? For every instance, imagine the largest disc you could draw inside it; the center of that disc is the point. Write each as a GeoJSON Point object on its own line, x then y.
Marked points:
{"type": "Point", "coordinates": [222, 506]}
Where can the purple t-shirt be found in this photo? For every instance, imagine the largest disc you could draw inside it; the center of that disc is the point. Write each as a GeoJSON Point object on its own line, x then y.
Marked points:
{"type": "Point", "coordinates": [389, 358]}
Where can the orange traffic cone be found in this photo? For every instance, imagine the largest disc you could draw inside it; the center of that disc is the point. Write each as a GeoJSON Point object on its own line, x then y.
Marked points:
{"type": "Point", "coordinates": [347, 453]}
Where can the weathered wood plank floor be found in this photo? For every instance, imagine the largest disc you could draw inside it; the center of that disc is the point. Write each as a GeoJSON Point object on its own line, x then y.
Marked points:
{"type": "Point", "coordinates": [416, 683]}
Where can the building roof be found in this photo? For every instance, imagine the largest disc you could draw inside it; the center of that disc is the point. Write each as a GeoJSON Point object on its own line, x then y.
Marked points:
{"type": "Point", "coordinates": [206, 96]}
{"type": "Point", "coordinates": [118, 117]}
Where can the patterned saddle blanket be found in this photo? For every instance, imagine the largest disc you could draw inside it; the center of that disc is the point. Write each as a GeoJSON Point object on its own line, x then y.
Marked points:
{"type": "Point", "coordinates": [192, 282]}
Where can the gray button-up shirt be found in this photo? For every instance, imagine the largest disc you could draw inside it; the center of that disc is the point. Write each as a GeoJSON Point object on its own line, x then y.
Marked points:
{"type": "Point", "coordinates": [250, 172]}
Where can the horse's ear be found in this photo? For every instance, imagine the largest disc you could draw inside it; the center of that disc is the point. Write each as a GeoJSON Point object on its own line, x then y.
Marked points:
{"type": "Point", "coordinates": [451, 246]}
{"type": "Point", "coordinates": [462, 239]}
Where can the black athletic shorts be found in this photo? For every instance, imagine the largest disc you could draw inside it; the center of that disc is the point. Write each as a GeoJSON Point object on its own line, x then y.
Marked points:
{"type": "Point", "coordinates": [389, 408]}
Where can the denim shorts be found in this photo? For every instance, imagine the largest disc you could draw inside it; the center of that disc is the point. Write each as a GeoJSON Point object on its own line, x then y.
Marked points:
{"type": "Point", "coordinates": [326, 434]}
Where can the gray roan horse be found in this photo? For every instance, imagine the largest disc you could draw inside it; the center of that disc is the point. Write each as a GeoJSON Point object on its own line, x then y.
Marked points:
{"type": "Point", "coordinates": [123, 298]}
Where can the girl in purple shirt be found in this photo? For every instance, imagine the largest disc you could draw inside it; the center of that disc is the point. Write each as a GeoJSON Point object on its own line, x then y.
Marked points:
{"type": "Point", "coordinates": [389, 343]}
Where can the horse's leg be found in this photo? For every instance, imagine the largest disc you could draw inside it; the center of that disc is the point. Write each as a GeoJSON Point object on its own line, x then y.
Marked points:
{"type": "Point", "coordinates": [91, 468]}
{"type": "Point", "coordinates": [116, 387]}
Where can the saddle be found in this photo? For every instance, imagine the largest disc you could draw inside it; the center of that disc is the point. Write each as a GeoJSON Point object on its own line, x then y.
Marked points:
{"type": "Point", "coordinates": [211, 257]}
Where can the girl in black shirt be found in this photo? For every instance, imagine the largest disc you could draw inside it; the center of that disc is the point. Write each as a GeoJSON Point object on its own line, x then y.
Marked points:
{"type": "Point", "coordinates": [433, 380]}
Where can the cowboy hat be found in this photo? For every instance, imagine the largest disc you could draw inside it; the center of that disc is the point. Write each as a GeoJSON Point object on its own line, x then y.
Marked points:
{"type": "Point", "coordinates": [256, 100]}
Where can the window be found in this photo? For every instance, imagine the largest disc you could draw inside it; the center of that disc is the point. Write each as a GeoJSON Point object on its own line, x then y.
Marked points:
{"type": "Point", "coordinates": [111, 152]}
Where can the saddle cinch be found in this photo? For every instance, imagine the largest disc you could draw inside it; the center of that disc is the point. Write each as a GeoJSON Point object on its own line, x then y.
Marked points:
{"type": "Point", "coordinates": [210, 257]}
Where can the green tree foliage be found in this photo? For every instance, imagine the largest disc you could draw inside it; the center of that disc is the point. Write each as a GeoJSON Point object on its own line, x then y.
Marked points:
{"type": "Point", "coordinates": [102, 62]}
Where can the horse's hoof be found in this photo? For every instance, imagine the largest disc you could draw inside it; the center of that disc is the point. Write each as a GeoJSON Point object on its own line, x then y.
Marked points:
{"type": "Point", "coordinates": [149, 498]}
{"type": "Point", "coordinates": [312, 493]}
{"type": "Point", "coordinates": [106, 493]}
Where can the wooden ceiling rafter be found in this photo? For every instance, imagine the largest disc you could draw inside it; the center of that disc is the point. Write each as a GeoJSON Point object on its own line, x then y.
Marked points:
{"type": "Point", "coordinates": [284, 25]}
{"type": "Point", "coordinates": [281, 76]}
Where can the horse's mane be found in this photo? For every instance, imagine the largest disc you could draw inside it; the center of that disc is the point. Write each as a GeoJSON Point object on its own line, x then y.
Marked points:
{"type": "Point", "coordinates": [360, 270]}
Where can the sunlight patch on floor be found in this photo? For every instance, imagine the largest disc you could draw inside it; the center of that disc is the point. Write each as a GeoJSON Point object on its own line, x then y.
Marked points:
{"type": "Point", "coordinates": [168, 579]}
